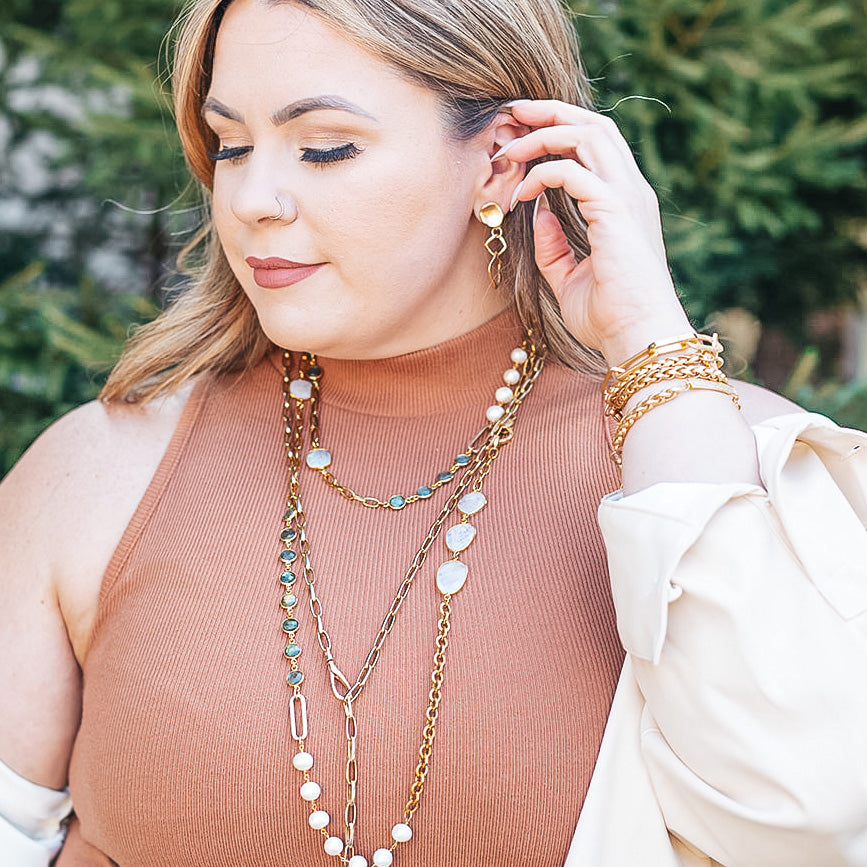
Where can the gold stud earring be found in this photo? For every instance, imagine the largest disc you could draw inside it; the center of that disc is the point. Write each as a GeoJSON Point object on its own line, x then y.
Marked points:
{"type": "Point", "coordinates": [491, 214]}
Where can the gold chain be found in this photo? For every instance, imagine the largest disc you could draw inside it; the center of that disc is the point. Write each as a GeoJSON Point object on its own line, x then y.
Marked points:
{"type": "Point", "coordinates": [296, 545]}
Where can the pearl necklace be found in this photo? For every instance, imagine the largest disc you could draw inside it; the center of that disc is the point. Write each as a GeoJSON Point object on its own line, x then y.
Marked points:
{"type": "Point", "coordinates": [319, 458]}
{"type": "Point", "coordinates": [470, 469]}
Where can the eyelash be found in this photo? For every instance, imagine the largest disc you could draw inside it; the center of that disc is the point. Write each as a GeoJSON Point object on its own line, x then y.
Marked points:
{"type": "Point", "coordinates": [317, 156]}
{"type": "Point", "coordinates": [330, 155]}
{"type": "Point", "coordinates": [233, 155]}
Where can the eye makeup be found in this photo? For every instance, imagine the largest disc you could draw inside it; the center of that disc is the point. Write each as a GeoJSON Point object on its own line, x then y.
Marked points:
{"type": "Point", "coordinates": [324, 156]}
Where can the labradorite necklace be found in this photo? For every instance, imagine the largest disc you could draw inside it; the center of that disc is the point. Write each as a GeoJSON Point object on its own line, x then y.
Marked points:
{"type": "Point", "coordinates": [468, 473]}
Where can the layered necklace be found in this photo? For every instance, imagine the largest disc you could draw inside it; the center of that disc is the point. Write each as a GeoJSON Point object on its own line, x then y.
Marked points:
{"type": "Point", "coordinates": [467, 473]}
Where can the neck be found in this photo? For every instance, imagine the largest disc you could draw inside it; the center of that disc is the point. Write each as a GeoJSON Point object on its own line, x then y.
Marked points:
{"type": "Point", "coordinates": [463, 371]}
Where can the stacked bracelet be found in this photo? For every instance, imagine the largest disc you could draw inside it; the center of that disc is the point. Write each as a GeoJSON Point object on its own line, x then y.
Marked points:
{"type": "Point", "coordinates": [690, 362]}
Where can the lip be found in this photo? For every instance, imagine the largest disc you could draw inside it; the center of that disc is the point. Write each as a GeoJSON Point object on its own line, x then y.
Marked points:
{"type": "Point", "coordinates": [277, 273]}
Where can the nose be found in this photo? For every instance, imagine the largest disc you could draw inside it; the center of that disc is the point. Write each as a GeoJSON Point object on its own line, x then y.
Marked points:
{"type": "Point", "coordinates": [259, 198]}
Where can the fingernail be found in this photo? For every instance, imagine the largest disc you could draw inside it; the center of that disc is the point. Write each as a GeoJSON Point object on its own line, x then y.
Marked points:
{"type": "Point", "coordinates": [502, 150]}
{"type": "Point", "coordinates": [515, 196]}
{"type": "Point", "coordinates": [542, 200]}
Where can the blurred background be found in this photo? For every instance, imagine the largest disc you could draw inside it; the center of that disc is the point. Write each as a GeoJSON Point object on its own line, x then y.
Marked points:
{"type": "Point", "coordinates": [748, 116]}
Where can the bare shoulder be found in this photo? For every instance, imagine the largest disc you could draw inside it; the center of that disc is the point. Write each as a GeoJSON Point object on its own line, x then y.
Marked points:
{"type": "Point", "coordinates": [63, 510]}
{"type": "Point", "coordinates": [65, 505]}
{"type": "Point", "coordinates": [760, 403]}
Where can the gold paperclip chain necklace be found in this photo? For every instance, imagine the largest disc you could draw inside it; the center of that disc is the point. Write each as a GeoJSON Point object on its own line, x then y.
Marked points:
{"type": "Point", "coordinates": [467, 498]}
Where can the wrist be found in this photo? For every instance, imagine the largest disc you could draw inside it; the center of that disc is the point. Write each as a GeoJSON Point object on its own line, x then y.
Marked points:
{"type": "Point", "coordinates": [631, 339]}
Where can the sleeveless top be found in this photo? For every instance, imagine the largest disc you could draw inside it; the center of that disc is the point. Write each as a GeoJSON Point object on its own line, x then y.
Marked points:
{"type": "Point", "coordinates": [184, 754]}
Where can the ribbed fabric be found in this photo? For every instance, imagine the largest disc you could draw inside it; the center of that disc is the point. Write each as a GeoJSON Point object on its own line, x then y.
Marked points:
{"type": "Point", "coordinates": [183, 758]}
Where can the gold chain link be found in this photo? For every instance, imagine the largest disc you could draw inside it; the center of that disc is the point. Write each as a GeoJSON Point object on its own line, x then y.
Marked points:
{"type": "Point", "coordinates": [483, 450]}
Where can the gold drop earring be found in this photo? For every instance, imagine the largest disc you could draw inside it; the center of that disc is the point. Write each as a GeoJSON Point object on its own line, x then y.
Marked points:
{"type": "Point", "coordinates": [491, 214]}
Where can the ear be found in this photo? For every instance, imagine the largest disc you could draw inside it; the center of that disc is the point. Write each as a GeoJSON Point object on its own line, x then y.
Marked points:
{"type": "Point", "coordinates": [498, 179]}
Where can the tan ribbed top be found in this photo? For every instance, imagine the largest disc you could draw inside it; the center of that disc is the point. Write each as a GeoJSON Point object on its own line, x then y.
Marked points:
{"type": "Point", "coordinates": [183, 758]}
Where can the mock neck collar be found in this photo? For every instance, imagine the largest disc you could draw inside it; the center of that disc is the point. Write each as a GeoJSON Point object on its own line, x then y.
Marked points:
{"type": "Point", "coordinates": [461, 372]}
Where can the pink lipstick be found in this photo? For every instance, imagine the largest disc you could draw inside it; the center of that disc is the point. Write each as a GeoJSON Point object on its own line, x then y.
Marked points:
{"type": "Point", "coordinates": [276, 273]}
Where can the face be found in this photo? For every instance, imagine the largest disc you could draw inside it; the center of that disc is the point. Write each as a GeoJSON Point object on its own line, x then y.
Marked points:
{"type": "Point", "coordinates": [343, 206]}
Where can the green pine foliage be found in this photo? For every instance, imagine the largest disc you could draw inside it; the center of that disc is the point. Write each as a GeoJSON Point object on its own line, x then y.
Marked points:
{"type": "Point", "coordinates": [750, 119]}
{"type": "Point", "coordinates": [56, 344]}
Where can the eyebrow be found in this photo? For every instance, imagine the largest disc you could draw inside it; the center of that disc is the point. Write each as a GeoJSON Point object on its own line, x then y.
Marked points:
{"type": "Point", "coordinates": [293, 110]}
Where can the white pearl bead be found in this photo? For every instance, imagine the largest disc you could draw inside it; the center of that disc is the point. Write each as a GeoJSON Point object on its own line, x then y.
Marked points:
{"type": "Point", "coordinates": [401, 833]}
{"type": "Point", "coordinates": [318, 820]}
{"type": "Point", "coordinates": [511, 376]}
{"type": "Point", "coordinates": [518, 356]}
{"type": "Point", "coordinates": [357, 861]}
{"type": "Point", "coordinates": [503, 394]}
{"type": "Point", "coordinates": [382, 858]}
{"type": "Point", "coordinates": [494, 413]}
{"type": "Point", "coordinates": [302, 761]}
{"type": "Point", "coordinates": [333, 846]}
{"type": "Point", "coordinates": [310, 791]}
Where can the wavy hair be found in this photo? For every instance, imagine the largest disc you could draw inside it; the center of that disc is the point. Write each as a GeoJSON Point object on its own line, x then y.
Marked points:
{"type": "Point", "coordinates": [475, 55]}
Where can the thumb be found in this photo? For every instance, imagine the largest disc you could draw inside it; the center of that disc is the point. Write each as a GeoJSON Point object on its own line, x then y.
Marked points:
{"type": "Point", "coordinates": [554, 256]}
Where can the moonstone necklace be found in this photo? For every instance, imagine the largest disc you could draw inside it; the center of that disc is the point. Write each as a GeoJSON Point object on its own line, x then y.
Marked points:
{"type": "Point", "coordinates": [469, 470]}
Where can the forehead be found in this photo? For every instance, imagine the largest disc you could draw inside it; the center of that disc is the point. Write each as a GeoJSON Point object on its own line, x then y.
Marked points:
{"type": "Point", "coordinates": [267, 48]}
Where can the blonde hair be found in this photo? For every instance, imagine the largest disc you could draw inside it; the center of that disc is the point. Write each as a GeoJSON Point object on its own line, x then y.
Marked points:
{"type": "Point", "coordinates": [476, 55]}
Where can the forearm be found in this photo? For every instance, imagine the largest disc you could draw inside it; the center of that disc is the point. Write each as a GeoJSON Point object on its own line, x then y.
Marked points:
{"type": "Point", "coordinates": [698, 436]}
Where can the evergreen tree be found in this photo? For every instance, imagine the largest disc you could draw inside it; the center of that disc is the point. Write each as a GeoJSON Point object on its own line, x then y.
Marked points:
{"type": "Point", "coordinates": [758, 152]}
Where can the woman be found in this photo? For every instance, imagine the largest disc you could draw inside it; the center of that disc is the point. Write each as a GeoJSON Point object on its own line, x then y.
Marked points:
{"type": "Point", "coordinates": [272, 575]}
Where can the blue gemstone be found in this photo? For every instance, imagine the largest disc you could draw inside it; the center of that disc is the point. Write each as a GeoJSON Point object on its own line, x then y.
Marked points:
{"type": "Point", "coordinates": [445, 476]}
{"type": "Point", "coordinates": [288, 600]}
{"type": "Point", "coordinates": [289, 514]}
{"type": "Point", "coordinates": [290, 625]}
{"type": "Point", "coordinates": [424, 491]}
{"type": "Point", "coordinates": [288, 534]}
{"type": "Point", "coordinates": [397, 501]}
{"type": "Point", "coordinates": [462, 460]}
{"type": "Point", "coordinates": [287, 556]}
{"type": "Point", "coordinates": [287, 577]}
{"type": "Point", "coordinates": [294, 678]}
{"type": "Point", "coordinates": [291, 651]}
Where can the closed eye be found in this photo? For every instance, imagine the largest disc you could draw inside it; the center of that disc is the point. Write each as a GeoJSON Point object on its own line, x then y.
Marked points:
{"type": "Point", "coordinates": [232, 154]}
{"type": "Point", "coordinates": [324, 156]}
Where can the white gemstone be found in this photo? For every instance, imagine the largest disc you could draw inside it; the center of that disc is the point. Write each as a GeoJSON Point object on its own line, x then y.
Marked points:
{"type": "Point", "coordinates": [357, 861]}
{"type": "Point", "coordinates": [459, 537]}
{"type": "Point", "coordinates": [318, 819]}
{"type": "Point", "coordinates": [512, 376]}
{"type": "Point", "coordinates": [400, 833]}
{"type": "Point", "coordinates": [302, 761]}
{"type": "Point", "coordinates": [494, 413]}
{"type": "Point", "coordinates": [451, 576]}
{"type": "Point", "coordinates": [333, 846]}
{"type": "Point", "coordinates": [503, 394]}
{"type": "Point", "coordinates": [382, 858]}
{"type": "Point", "coordinates": [471, 503]}
{"type": "Point", "coordinates": [518, 356]}
{"type": "Point", "coordinates": [310, 791]}
{"type": "Point", "coordinates": [300, 388]}
{"type": "Point", "coordinates": [318, 459]}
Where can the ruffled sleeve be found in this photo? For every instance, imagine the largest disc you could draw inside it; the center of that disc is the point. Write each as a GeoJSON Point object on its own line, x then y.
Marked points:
{"type": "Point", "coordinates": [744, 613]}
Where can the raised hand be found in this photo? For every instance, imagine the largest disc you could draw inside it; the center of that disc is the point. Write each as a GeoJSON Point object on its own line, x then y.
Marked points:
{"type": "Point", "coordinates": [621, 297]}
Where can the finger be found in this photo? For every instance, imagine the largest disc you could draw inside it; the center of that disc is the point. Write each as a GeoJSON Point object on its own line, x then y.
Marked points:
{"type": "Point", "coordinates": [552, 112]}
{"type": "Point", "coordinates": [587, 143]}
{"type": "Point", "coordinates": [554, 254]}
{"type": "Point", "coordinates": [580, 183]}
